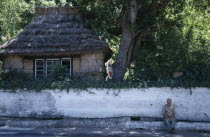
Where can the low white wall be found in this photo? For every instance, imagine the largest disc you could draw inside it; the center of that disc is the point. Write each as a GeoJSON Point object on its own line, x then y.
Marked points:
{"type": "Point", "coordinates": [105, 103]}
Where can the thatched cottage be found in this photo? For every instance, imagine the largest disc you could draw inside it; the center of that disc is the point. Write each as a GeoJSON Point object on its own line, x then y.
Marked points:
{"type": "Point", "coordinates": [56, 36]}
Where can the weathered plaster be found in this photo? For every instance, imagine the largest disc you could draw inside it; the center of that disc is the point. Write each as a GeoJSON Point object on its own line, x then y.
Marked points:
{"type": "Point", "coordinates": [28, 104]}
{"type": "Point", "coordinates": [106, 103]}
{"type": "Point", "coordinates": [14, 62]}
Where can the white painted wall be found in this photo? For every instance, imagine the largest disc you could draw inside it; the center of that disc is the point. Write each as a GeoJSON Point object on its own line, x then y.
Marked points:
{"type": "Point", "coordinates": [105, 103]}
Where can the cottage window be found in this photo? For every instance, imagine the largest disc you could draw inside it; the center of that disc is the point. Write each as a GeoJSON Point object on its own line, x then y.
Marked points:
{"type": "Point", "coordinates": [67, 63]}
{"type": "Point", "coordinates": [39, 68]}
{"type": "Point", "coordinates": [49, 67]}
{"type": "Point", "coordinates": [44, 67]}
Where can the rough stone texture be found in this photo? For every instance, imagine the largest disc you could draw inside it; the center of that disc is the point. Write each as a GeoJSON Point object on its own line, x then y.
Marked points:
{"type": "Point", "coordinates": [159, 125]}
{"type": "Point", "coordinates": [93, 76]}
{"type": "Point", "coordinates": [91, 66]}
{"type": "Point", "coordinates": [67, 122]}
{"type": "Point", "coordinates": [94, 65]}
{"type": "Point", "coordinates": [14, 62]}
{"type": "Point", "coordinates": [94, 132]}
{"type": "Point", "coordinates": [105, 103]}
{"type": "Point", "coordinates": [28, 67]}
{"type": "Point", "coordinates": [28, 105]}
{"type": "Point", "coordinates": [76, 65]}
{"type": "Point", "coordinates": [122, 122]}
{"type": "Point", "coordinates": [92, 62]}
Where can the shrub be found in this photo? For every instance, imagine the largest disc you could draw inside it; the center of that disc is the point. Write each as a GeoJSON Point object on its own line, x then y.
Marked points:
{"type": "Point", "coordinates": [13, 74]}
{"type": "Point", "coordinates": [58, 72]}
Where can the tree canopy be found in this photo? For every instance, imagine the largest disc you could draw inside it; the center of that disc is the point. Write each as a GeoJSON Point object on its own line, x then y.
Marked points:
{"type": "Point", "coordinates": [151, 39]}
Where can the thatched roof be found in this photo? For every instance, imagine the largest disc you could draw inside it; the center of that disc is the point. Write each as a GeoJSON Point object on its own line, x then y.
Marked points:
{"type": "Point", "coordinates": [55, 29]}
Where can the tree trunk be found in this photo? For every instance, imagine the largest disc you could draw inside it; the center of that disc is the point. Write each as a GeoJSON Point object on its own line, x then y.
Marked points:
{"type": "Point", "coordinates": [126, 44]}
{"type": "Point", "coordinates": [129, 42]}
{"type": "Point", "coordinates": [123, 58]}
{"type": "Point", "coordinates": [132, 38]}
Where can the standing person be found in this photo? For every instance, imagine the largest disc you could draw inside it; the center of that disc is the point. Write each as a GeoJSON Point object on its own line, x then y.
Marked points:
{"type": "Point", "coordinates": [109, 69]}
{"type": "Point", "coordinates": [169, 113]}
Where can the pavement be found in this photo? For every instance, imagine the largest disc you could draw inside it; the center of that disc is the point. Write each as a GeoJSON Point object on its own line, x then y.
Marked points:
{"type": "Point", "coordinates": [93, 132]}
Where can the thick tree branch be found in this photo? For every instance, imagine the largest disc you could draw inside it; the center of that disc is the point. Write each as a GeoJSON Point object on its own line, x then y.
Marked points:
{"type": "Point", "coordinates": [134, 9]}
{"type": "Point", "coordinates": [136, 39]}
{"type": "Point", "coordinates": [123, 25]}
{"type": "Point", "coordinates": [129, 54]}
{"type": "Point", "coordinates": [139, 37]}
{"type": "Point", "coordinates": [142, 31]}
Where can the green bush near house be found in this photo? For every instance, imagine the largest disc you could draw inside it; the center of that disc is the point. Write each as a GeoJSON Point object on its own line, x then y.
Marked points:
{"type": "Point", "coordinates": [82, 84]}
{"type": "Point", "coordinates": [179, 43]}
{"type": "Point", "coordinates": [58, 72]}
{"type": "Point", "coordinates": [13, 74]}
{"type": "Point", "coordinates": [14, 80]}
{"type": "Point", "coordinates": [1, 69]}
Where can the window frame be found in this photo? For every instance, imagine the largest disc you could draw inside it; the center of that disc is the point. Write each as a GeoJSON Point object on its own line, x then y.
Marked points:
{"type": "Point", "coordinates": [46, 64]}
{"type": "Point", "coordinates": [36, 67]}
{"type": "Point", "coordinates": [69, 65]}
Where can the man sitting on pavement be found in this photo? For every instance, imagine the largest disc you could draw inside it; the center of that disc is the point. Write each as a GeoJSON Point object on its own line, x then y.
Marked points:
{"type": "Point", "coordinates": [169, 113]}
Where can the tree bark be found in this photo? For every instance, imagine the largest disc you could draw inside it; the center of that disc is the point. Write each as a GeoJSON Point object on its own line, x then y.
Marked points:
{"type": "Point", "coordinates": [131, 38]}
{"type": "Point", "coordinates": [129, 42]}
{"type": "Point", "coordinates": [126, 44]}
{"type": "Point", "coordinates": [121, 64]}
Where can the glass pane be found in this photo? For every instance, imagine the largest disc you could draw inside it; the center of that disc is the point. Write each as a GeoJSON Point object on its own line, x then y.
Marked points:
{"type": "Point", "coordinates": [40, 63]}
{"type": "Point", "coordinates": [39, 73]}
{"type": "Point", "coordinates": [55, 62]}
{"type": "Point", "coordinates": [50, 64]}
{"type": "Point", "coordinates": [39, 68]}
{"type": "Point", "coordinates": [49, 67]}
{"type": "Point", "coordinates": [39, 76]}
{"type": "Point", "coordinates": [67, 64]}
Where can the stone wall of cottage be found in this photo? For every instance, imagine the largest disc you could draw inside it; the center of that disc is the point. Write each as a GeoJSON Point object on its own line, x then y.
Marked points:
{"type": "Point", "coordinates": [76, 66]}
{"type": "Point", "coordinates": [13, 62]}
{"type": "Point", "coordinates": [89, 65]}
{"type": "Point", "coordinates": [20, 64]}
{"type": "Point", "coordinates": [28, 67]}
{"type": "Point", "coordinates": [92, 66]}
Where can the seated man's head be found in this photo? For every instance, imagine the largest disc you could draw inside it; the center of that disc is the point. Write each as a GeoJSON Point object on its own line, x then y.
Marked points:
{"type": "Point", "coordinates": [169, 102]}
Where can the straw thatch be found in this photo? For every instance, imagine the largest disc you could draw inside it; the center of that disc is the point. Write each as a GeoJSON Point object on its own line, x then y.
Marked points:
{"type": "Point", "coordinates": [55, 30]}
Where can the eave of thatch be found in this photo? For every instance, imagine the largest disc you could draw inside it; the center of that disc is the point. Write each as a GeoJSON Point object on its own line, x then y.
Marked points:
{"type": "Point", "coordinates": [55, 30]}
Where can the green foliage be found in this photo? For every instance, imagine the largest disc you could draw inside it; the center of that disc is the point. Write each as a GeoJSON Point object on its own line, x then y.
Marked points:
{"type": "Point", "coordinates": [9, 18]}
{"type": "Point", "coordinates": [81, 84]}
{"type": "Point", "coordinates": [101, 17]}
{"type": "Point", "coordinates": [58, 72]}
{"type": "Point", "coordinates": [13, 74]}
{"type": "Point", "coordinates": [1, 70]}
{"type": "Point", "coordinates": [16, 14]}
{"type": "Point", "coordinates": [180, 38]}
{"type": "Point", "coordinates": [180, 42]}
